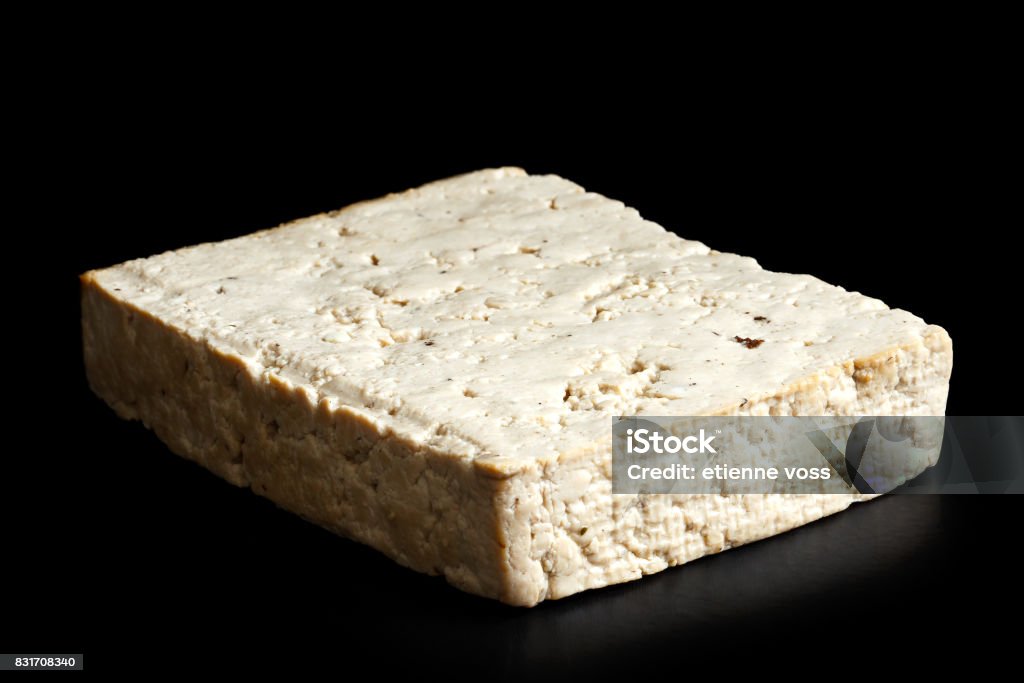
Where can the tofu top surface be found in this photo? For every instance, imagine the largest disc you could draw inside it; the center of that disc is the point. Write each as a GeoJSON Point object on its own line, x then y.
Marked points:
{"type": "Point", "coordinates": [500, 315]}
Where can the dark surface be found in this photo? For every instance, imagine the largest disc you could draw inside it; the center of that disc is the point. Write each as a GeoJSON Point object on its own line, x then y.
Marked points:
{"type": "Point", "coordinates": [117, 548]}
{"type": "Point", "coordinates": [167, 554]}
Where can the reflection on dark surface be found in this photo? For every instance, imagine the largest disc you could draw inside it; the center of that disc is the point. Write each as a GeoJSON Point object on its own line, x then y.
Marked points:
{"type": "Point", "coordinates": [703, 600]}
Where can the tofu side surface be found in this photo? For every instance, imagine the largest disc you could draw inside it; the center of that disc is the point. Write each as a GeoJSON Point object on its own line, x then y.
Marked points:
{"type": "Point", "coordinates": [433, 374]}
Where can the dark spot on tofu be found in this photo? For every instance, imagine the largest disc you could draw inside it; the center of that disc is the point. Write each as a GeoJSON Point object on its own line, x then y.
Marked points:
{"type": "Point", "coordinates": [748, 342]}
{"type": "Point", "coordinates": [428, 343]}
{"type": "Point", "coordinates": [761, 319]}
{"type": "Point", "coordinates": [745, 401]}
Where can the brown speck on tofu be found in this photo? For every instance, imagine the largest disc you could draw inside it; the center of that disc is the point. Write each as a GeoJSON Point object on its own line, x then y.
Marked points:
{"type": "Point", "coordinates": [748, 342]}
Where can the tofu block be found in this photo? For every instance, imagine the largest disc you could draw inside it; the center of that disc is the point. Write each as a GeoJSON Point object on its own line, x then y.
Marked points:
{"type": "Point", "coordinates": [434, 374]}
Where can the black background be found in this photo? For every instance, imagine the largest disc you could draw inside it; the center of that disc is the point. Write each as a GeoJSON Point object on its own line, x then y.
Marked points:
{"type": "Point", "coordinates": [117, 548]}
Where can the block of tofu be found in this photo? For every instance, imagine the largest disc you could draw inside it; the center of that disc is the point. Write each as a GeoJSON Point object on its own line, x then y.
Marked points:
{"type": "Point", "coordinates": [434, 373]}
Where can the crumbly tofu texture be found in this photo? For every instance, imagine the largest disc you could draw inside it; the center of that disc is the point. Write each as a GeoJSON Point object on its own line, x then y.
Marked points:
{"type": "Point", "coordinates": [434, 374]}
